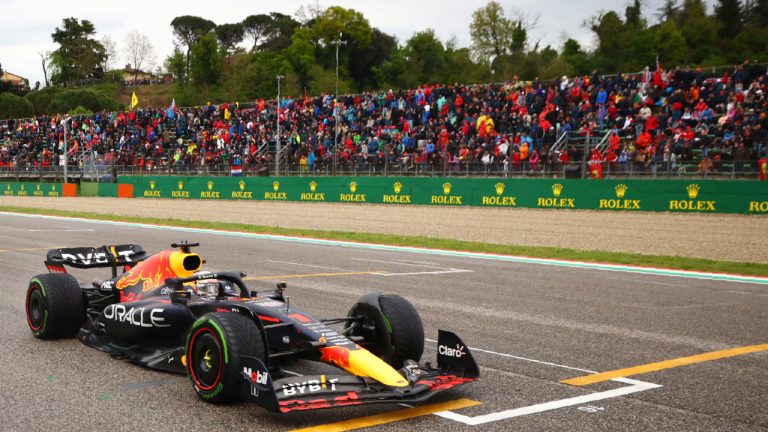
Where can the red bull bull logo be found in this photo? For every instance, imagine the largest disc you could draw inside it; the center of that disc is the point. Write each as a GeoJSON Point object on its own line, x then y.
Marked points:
{"type": "Point", "coordinates": [336, 355]}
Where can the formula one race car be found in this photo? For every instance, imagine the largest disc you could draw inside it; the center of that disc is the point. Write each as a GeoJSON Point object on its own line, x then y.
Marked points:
{"type": "Point", "coordinates": [165, 313]}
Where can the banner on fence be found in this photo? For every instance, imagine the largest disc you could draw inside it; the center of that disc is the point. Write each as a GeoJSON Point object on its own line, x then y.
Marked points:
{"type": "Point", "coordinates": [704, 196]}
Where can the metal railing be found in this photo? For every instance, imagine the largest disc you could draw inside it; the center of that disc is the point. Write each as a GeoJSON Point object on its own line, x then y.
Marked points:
{"type": "Point", "coordinates": [725, 170]}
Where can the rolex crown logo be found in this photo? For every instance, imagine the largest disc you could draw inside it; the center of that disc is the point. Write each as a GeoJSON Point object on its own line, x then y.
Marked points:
{"type": "Point", "coordinates": [693, 190]}
{"type": "Point", "coordinates": [621, 190]}
{"type": "Point", "coordinates": [398, 187]}
{"type": "Point", "coordinates": [446, 188]}
{"type": "Point", "coordinates": [276, 186]}
{"type": "Point", "coordinates": [53, 187]}
{"type": "Point", "coordinates": [557, 189]}
{"type": "Point", "coordinates": [181, 185]}
{"type": "Point", "coordinates": [210, 185]}
{"type": "Point", "coordinates": [22, 187]}
{"type": "Point", "coordinates": [353, 187]}
{"type": "Point", "coordinates": [38, 186]}
{"type": "Point", "coordinates": [312, 186]}
{"type": "Point", "coordinates": [500, 188]}
{"type": "Point", "coordinates": [151, 184]}
{"type": "Point", "coordinates": [242, 184]}
{"type": "Point", "coordinates": [7, 187]}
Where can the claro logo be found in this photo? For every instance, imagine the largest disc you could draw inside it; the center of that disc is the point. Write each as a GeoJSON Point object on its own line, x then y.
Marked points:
{"type": "Point", "coordinates": [457, 352]}
{"type": "Point", "coordinates": [140, 317]}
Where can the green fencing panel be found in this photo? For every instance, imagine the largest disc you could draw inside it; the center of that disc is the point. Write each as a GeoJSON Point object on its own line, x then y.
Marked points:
{"type": "Point", "coordinates": [702, 196]}
{"type": "Point", "coordinates": [89, 189]}
{"type": "Point", "coordinates": [9, 189]}
{"type": "Point", "coordinates": [31, 189]}
{"type": "Point", "coordinates": [108, 190]}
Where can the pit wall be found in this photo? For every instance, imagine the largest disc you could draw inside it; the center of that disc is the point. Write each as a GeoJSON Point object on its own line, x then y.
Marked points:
{"type": "Point", "coordinates": [702, 196]}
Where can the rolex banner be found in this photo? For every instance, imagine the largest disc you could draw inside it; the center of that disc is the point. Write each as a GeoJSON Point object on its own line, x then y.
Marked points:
{"type": "Point", "coordinates": [682, 196]}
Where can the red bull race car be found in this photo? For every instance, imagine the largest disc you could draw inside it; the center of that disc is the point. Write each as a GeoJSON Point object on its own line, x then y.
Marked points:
{"type": "Point", "coordinates": [162, 311]}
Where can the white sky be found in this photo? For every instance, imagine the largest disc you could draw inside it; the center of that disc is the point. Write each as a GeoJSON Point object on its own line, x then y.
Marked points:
{"type": "Point", "coordinates": [27, 25]}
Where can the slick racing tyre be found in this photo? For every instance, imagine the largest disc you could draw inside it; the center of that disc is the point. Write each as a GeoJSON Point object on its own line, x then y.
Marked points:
{"type": "Point", "coordinates": [55, 306]}
{"type": "Point", "coordinates": [214, 346]}
{"type": "Point", "coordinates": [393, 331]}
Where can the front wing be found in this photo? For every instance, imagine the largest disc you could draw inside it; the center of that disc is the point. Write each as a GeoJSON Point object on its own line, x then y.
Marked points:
{"type": "Point", "coordinates": [455, 367]}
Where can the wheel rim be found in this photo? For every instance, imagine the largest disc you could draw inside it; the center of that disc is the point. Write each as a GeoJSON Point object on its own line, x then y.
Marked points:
{"type": "Point", "coordinates": [205, 359]}
{"type": "Point", "coordinates": [35, 311]}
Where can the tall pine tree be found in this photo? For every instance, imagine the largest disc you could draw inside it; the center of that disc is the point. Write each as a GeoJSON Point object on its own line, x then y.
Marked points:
{"type": "Point", "coordinates": [729, 15]}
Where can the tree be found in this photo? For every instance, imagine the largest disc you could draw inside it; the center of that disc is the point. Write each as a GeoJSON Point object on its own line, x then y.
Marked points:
{"type": "Point", "coordinates": [279, 32]}
{"type": "Point", "coordinates": [728, 13]}
{"type": "Point", "coordinates": [638, 39]}
{"type": "Point", "coordinates": [425, 55]}
{"type": "Point", "coordinates": [491, 31]}
{"type": "Point", "coordinates": [45, 63]}
{"type": "Point", "coordinates": [176, 66]}
{"type": "Point", "coordinates": [188, 29]}
{"type": "Point", "coordinates": [257, 28]}
{"type": "Point", "coordinates": [205, 61]}
{"type": "Point", "coordinates": [301, 53]}
{"type": "Point", "coordinates": [575, 56]}
{"type": "Point", "coordinates": [757, 13]}
{"type": "Point", "coordinates": [609, 29]}
{"type": "Point", "coordinates": [699, 30]}
{"type": "Point", "coordinates": [110, 53]}
{"type": "Point", "coordinates": [139, 52]}
{"type": "Point", "coordinates": [668, 11]}
{"type": "Point", "coordinates": [670, 44]}
{"type": "Point", "coordinates": [308, 13]}
{"type": "Point", "coordinates": [368, 57]}
{"type": "Point", "coordinates": [336, 20]}
{"type": "Point", "coordinates": [355, 34]}
{"type": "Point", "coordinates": [229, 35]}
{"type": "Point", "coordinates": [79, 56]}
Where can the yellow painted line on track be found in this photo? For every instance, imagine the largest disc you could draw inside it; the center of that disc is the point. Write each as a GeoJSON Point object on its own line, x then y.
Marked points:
{"type": "Point", "coordinates": [390, 417]}
{"type": "Point", "coordinates": [667, 364]}
{"type": "Point", "coordinates": [305, 275]}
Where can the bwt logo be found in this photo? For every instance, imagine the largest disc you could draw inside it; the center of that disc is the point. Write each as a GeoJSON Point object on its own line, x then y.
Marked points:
{"type": "Point", "coordinates": [457, 352]}
{"type": "Point", "coordinates": [256, 377]}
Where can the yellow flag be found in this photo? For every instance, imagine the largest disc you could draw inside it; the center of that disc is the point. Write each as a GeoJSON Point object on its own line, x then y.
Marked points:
{"type": "Point", "coordinates": [134, 100]}
{"type": "Point", "coordinates": [226, 114]}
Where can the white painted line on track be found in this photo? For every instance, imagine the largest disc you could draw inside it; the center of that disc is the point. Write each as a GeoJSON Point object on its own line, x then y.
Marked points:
{"type": "Point", "coordinates": [723, 277]}
{"type": "Point", "coordinates": [442, 269]}
{"type": "Point", "coordinates": [310, 265]}
{"type": "Point", "coordinates": [634, 386]}
{"type": "Point", "coordinates": [546, 406]}
{"type": "Point", "coordinates": [400, 263]}
{"type": "Point", "coordinates": [426, 273]}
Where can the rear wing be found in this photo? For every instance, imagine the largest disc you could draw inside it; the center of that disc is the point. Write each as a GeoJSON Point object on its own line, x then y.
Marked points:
{"type": "Point", "coordinates": [112, 256]}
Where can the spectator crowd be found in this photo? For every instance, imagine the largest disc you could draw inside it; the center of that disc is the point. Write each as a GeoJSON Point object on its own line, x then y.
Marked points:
{"type": "Point", "coordinates": [656, 117]}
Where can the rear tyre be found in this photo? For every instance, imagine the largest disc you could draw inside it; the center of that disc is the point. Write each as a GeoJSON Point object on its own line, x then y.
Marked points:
{"type": "Point", "coordinates": [394, 332]}
{"type": "Point", "coordinates": [214, 346]}
{"type": "Point", "coordinates": [55, 306]}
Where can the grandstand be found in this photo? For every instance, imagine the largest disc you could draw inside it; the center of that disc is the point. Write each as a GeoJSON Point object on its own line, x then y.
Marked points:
{"type": "Point", "coordinates": [660, 124]}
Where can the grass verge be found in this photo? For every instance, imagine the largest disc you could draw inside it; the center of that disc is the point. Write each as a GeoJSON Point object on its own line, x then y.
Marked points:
{"type": "Point", "coordinates": [672, 262]}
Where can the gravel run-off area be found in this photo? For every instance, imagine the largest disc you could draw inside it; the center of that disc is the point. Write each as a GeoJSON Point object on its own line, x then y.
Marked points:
{"type": "Point", "coordinates": [719, 237]}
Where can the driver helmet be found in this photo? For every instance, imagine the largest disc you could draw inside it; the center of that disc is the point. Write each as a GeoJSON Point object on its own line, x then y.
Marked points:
{"type": "Point", "coordinates": [205, 287]}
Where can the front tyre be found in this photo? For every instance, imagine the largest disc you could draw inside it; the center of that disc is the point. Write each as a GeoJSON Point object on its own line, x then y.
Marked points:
{"type": "Point", "coordinates": [214, 347]}
{"type": "Point", "coordinates": [55, 306]}
{"type": "Point", "coordinates": [393, 331]}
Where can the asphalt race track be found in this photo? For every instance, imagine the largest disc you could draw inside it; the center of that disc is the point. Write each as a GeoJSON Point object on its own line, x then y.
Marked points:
{"type": "Point", "coordinates": [531, 326]}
